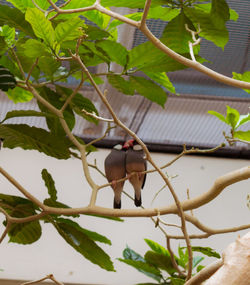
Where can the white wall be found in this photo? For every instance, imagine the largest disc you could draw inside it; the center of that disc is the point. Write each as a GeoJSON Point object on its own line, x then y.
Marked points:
{"type": "Point", "coordinates": [52, 255]}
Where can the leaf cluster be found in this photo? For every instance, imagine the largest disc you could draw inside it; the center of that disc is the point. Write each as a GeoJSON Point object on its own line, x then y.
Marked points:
{"type": "Point", "coordinates": [157, 263]}
{"type": "Point", "coordinates": [234, 120]}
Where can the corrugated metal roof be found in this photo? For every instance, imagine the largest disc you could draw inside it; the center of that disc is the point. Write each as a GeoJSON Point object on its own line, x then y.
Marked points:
{"type": "Point", "coordinates": [185, 118]}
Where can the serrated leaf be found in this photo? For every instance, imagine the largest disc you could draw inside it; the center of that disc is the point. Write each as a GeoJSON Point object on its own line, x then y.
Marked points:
{"type": "Point", "coordinates": [78, 103]}
{"type": "Point", "coordinates": [92, 235]}
{"type": "Point", "coordinates": [208, 251]}
{"type": "Point", "coordinates": [24, 4]}
{"type": "Point", "coordinates": [14, 201]}
{"type": "Point", "coordinates": [40, 25]}
{"type": "Point", "coordinates": [156, 247]}
{"type": "Point", "coordinates": [25, 233]}
{"type": "Point", "coordinates": [121, 84]}
{"type": "Point", "coordinates": [117, 52]}
{"type": "Point", "coordinates": [25, 113]}
{"type": "Point", "coordinates": [53, 123]}
{"type": "Point", "coordinates": [245, 136]}
{"type": "Point", "coordinates": [14, 18]}
{"type": "Point", "coordinates": [160, 261]}
{"type": "Point", "coordinates": [69, 30]}
{"type": "Point", "coordinates": [149, 89]}
{"type": "Point", "coordinates": [49, 66]}
{"type": "Point", "coordinates": [28, 137]}
{"type": "Point", "coordinates": [9, 35]}
{"type": "Point", "coordinates": [50, 184]}
{"type": "Point", "coordinates": [232, 116]}
{"type": "Point", "coordinates": [34, 48]}
{"type": "Point", "coordinates": [243, 77]}
{"type": "Point", "coordinates": [95, 33]}
{"type": "Point", "coordinates": [219, 116]}
{"type": "Point", "coordinates": [144, 268]}
{"type": "Point", "coordinates": [19, 95]}
{"type": "Point", "coordinates": [84, 245]}
{"type": "Point", "coordinates": [162, 79]}
{"type": "Point", "coordinates": [97, 51]}
{"type": "Point", "coordinates": [220, 11]}
{"type": "Point", "coordinates": [211, 31]}
{"type": "Point", "coordinates": [176, 37]}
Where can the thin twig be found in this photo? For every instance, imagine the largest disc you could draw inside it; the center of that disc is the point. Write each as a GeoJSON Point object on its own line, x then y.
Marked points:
{"type": "Point", "coordinates": [50, 276]}
{"type": "Point", "coordinates": [93, 115]}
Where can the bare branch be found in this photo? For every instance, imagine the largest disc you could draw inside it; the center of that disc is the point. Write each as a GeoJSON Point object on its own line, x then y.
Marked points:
{"type": "Point", "coordinates": [145, 13]}
{"type": "Point", "coordinates": [50, 277]}
{"type": "Point", "coordinates": [93, 115]}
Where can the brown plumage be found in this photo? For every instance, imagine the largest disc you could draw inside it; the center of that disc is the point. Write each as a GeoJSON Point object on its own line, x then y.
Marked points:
{"type": "Point", "coordinates": [115, 169]}
{"type": "Point", "coordinates": [135, 162]}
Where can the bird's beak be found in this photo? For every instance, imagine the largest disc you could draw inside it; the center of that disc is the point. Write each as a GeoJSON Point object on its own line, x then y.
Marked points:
{"type": "Point", "coordinates": [128, 144]}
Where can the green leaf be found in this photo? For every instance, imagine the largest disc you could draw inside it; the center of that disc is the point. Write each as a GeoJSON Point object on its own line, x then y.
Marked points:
{"type": "Point", "coordinates": [95, 33]}
{"type": "Point", "coordinates": [175, 35]}
{"type": "Point", "coordinates": [245, 136]}
{"type": "Point", "coordinates": [183, 260]}
{"type": "Point", "coordinates": [49, 66]}
{"type": "Point", "coordinates": [9, 35]}
{"type": "Point", "coordinates": [19, 207]}
{"type": "Point", "coordinates": [50, 184]}
{"type": "Point", "coordinates": [25, 233]}
{"type": "Point", "coordinates": [243, 77]}
{"type": "Point", "coordinates": [217, 33]}
{"type": "Point", "coordinates": [100, 19]}
{"type": "Point", "coordinates": [53, 123]}
{"type": "Point", "coordinates": [219, 116]}
{"type": "Point", "coordinates": [149, 89]}
{"type": "Point", "coordinates": [206, 251]}
{"type": "Point", "coordinates": [28, 137]}
{"type": "Point", "coordinates": [69, 30]}
{"type": "Point", "coordinates": [83, 244]}
{"type": "Point", "coordinates": [197, 260]}
{"type": "Point", "coordinates": [19, 95]}
{"type": "Point", "coordinates": [14, 18]}
{"type": "Point", "coordinates": [25, 113]}
{"type": "Point", "coordinates": [78, 103]}
{"type": "Point", "coordinates": [243, 120]}
{"type": "Point", "coordinates": [117, 52]}
{"type": "Point", "coordinates": [10, 65]}
{"type": "Point", "coordinates": [22, 5]}
{"type": "Point", "coordinates": [7, 79]}
{"type": "Point", "coordinates": [92, 235]}
{"type": "Point", "coordinates": [160, 261]}
{"type": "Point", "coordinates": [121, 84]}
{"type": "Point", "coordinates": [97, 51]}
{"type": "Point", "coordinates": [41, 26]}
{"type": "Point", "coordinates": [130, 254]}
{"type": "Point", "coordinates": [131, 3]}
{"type": "Point", "coordinates": [177, 281]}
{"type": "Point", "coordinates": [162, 79]}
{"type": "Point", "coordinates": [144, 267]}
{"type": "Point", "coordinates": [199, 268]}
{"type": "Point", "coordinates": [34, 48]}
{"type": "Point", "coordinates": [156, 247]}
{"type": "Point", "coordinates": [220, 11]}
{"type": "Point", "coordinates": [232, 116]}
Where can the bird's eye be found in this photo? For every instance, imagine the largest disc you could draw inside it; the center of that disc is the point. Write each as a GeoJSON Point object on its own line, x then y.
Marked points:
{"type": "Point", "coordinates": [137, 147]}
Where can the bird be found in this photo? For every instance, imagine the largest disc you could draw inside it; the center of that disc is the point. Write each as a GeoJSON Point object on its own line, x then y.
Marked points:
{"type": "Point", "coordinates": [115, 169]}
{"type": "Point", "coordinates": [135, 162]}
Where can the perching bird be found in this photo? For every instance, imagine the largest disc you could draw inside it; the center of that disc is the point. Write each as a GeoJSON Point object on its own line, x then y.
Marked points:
{"type": "Point", "coordinates": [135, 162]}
{"type": "Point", "coordinates": [115, 169]}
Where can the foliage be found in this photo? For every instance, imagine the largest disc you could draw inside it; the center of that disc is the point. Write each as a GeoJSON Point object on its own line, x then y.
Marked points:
{"type": "Point", "coordinates": [157, 263]}
{"type": "Point", "coordinates": [37, 49]}
{"type": "Point", "coordinates": [234, 120]}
